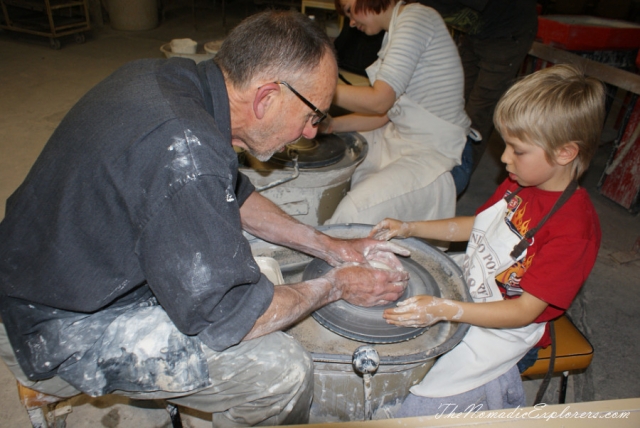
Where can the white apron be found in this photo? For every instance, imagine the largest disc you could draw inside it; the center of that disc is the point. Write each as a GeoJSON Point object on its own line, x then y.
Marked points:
{"type": "Point", "coordinates": [484, 354]}
{"type": "Point", "coordinates": [411, 151]}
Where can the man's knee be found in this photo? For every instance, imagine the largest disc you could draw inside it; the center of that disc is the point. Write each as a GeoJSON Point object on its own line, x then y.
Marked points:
{"type": "Point", "coordinates": [53, 386]}
{"type": "Point", "coordinates": [270, 365]}
{"type": "Point", "coordinates": [276, 387]}
{"type": "Point", "coordinates": [291, 359]}
{"type": "Point", "coordinates": [297, 366]}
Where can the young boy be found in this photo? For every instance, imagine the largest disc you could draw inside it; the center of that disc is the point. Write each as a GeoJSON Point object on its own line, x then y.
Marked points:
{"type": "Point", "coordinates": [551, 122]}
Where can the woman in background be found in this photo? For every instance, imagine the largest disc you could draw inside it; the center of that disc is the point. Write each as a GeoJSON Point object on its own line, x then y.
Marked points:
{"type": "Point", "coordinates": [412, 115]}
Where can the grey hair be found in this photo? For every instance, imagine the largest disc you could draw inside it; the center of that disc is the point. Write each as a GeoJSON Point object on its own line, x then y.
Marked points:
{"type": "Point", "coordinates": [278, 44]}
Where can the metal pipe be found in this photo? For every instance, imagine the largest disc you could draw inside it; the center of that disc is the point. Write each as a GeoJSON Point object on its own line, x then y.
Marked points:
{"type": "Point", "coordinates": [295, 175]}
{"type": "Point", "coordinates": [366, 361]}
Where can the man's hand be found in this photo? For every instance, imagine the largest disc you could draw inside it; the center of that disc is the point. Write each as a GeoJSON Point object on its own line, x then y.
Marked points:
{"type": "Point", "coordinates": [363, 285]}
{"type": "Point", "coordinates": [362, 250]}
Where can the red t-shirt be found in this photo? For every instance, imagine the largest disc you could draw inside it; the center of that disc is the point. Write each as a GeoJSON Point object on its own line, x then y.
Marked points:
{"type": "Point", "coordinates": [563, 251]}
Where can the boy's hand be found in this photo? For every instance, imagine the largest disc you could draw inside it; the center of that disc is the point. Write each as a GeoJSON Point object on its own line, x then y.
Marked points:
{"type": "Point", "coordinates": [422, 311]}
{"type": "Point", "coordinates": [390, 228]}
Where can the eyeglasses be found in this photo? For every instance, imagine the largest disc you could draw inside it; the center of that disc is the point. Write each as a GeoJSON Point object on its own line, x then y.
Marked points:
{"type": "Point", "coordinates": [320, 116]}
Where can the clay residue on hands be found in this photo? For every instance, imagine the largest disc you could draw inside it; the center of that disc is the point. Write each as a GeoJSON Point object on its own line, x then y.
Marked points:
{"type": "Point", "coordinates": [390, 228]}
{"type": "Point", "coordinates": [386, 253]}
{"type": "Point", "coordinates": [423, 311]}
{"type": "Point", "coordinates": [363, 285]}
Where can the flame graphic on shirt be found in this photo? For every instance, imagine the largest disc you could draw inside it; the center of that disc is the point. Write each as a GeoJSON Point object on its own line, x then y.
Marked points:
{"type": "Point", "coordinates": [517, 220]}
{"type": "Point", "coordinates": [511, 276]}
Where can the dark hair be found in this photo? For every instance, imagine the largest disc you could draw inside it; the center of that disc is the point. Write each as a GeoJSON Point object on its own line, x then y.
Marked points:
{"type": "Point", "coordinates": [277, 44]}
{"type": "Point", "coordinates": [374, 6]}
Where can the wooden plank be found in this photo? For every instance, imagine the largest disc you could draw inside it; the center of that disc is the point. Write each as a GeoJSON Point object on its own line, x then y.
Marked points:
{"type": "Point", "coordinates": [606, 73]}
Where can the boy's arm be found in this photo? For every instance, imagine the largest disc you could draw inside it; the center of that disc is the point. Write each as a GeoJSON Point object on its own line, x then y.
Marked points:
{"type": "Point", "coordinates": [423, 311]}
{"type": "Point", "coordinates": [456, 229]}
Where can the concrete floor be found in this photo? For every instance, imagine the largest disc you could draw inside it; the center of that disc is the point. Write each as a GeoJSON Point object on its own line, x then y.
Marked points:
{"type": "Point", "coordinates": [38, 85]}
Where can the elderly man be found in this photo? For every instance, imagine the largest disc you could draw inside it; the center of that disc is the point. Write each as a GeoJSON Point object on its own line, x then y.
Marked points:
{"type": "Point", "coordinates": [123, 266]}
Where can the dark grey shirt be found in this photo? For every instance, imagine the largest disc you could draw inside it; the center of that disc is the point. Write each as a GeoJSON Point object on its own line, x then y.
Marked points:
{"type": "Point", "coordinates": [137, 187]}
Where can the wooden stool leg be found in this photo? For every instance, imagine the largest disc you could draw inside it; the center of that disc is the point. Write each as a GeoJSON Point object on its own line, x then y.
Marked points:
{"type": "Point", "coordinates": [37, 418]}
{"type": "Point", "coordinates": [563, 387]}
{"type": "Point", "coordinates": [174, 414]}
{"type": "Point", "coordinates": [41, 408]}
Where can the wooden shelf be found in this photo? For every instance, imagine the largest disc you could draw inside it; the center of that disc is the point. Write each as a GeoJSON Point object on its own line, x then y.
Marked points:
{"type": "Point", "coordinates": [322, 4]}
{"type": "Point", "coordinates": [48, 18]}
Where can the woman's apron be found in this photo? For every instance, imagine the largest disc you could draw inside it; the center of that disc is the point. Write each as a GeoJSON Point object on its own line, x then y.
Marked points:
{"type": "Point", "coordinates": [411, 151]}
{"type": "Point", "coordinates": [484, 354]}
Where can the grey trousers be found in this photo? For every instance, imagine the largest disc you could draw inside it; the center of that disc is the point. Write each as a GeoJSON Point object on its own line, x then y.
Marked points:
{"type": "Point", "coordinates": [264, 381]}
{"type": "Point", "coordinates": [505, 392]}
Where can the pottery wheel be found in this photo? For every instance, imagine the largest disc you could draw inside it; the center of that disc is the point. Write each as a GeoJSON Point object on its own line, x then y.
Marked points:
{"type": "Point", "coordinates": [324, 150]}
{"type": "Point", "coordinates": [366, 324]}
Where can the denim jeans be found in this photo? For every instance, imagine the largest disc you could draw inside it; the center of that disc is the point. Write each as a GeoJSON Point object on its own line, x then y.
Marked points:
{"type": "Point", "coordinates": [462, 173]}
{"type": "Point", "coordinates": [528, 360]}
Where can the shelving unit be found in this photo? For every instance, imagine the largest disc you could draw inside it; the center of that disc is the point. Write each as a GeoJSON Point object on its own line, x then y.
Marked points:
{"type": "Point", "coordinates": [326, 6]}
{"type": "Point", "coordinates": [48, 18]}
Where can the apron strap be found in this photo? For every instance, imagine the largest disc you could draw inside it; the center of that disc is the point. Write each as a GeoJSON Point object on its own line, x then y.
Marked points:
{"type": "Point", "coordinates": [552, 361]}
{"type": "Point", "coordinates": [512, 195]}
{"type": "Point", "coordinates": [524, 243]}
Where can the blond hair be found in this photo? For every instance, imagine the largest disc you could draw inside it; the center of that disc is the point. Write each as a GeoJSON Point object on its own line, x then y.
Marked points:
{"type": "Point", "coordinates": [552, 107]}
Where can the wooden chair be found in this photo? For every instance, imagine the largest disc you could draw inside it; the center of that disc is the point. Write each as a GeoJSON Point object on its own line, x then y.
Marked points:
{"type": "Point", "coordinates": [573, 353]}
{"type": "Point", "coordinates": [44, 411]}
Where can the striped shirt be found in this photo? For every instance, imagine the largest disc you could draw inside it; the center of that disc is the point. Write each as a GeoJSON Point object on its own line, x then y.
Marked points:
{"type": "Point", "coordinates": [423, 62]}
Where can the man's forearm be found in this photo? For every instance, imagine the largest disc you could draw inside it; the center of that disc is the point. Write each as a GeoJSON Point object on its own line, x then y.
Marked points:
{"type": "Point", "coordinates": [291, 303]}
{"type": "Point", "coordinates": [264, 219]}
